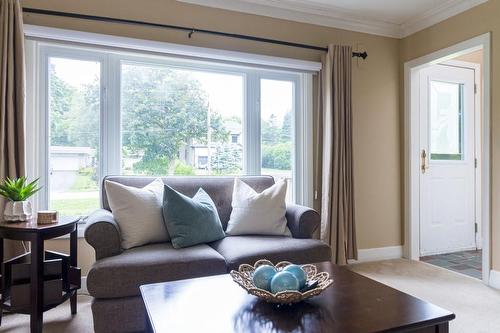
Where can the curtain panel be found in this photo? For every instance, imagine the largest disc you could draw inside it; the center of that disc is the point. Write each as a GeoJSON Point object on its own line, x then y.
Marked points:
{"type": "Point", "coordinates": [337, 185]}
{"type": "Point", "coordinates": [12, 94]}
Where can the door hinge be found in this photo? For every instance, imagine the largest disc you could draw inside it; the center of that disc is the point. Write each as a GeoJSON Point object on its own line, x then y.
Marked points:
{"type": "Point", "coordinates": [475, 88]}
{"type": "Point", "coordinates": [475, 163]}
{"type": "Point", "coordinates": [476, 227]}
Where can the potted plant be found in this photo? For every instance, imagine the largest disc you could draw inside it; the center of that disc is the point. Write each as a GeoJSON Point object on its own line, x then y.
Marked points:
{"type": "Point", "coordinates": [17, 191]}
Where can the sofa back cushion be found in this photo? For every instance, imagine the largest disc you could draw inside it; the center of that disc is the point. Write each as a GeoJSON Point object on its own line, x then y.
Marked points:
{"type": "Point", "coordinates": [138, 212]}
{"type": "Point", "coordinates": [220, 189]}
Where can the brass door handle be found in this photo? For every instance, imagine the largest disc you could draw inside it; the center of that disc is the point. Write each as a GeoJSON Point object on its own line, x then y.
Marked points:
{"type": "Point", "coordinates": [424, 161]}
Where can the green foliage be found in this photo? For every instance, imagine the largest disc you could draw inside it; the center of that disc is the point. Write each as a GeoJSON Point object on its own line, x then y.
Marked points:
{"type": "Point", "coordinates": [286, 128]}
{"type": "Point", "coordinates": [86, 180]}
{"type": "Point", "coordinates": [270, 130]}
{"type": "Point", "coordinates": [155, 166]}
{"type": "Point", "coordinates": [183, 169]}
{"type": "Point", "coordinates": [163, 111]}
{"type": "Point", "coordinates": [227, 160]}
{"type": "Point", "coordinates": [74, 113]}
{"type": "Point", "coordinates": [87, 171]}
{"type": "Point", "coordinates": [61, 100]}
{"type": "Point", "coordinates": [83, 127]}
{"type": "Point", "coordinates": [277, 156]}
{"type": "Point", "coordinates": [18, 189]}
{"type": "Point", "coordinates": [277, 143]}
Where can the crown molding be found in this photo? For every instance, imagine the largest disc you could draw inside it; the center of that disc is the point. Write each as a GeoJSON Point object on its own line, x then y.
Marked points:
{"type": "Point", "coordinates": [335, 17]}
{"type": "Point", "coordinates": [438, 14]}
{"type": "Point", "coordinates": [327, 16]}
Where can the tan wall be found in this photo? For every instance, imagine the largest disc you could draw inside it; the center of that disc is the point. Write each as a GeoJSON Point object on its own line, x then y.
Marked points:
{"type": "Point", "coordinates": [375, 91]}
{"type": "Point", "coordinates": [86, 255]}
{"type": "Point", "coordinates": [477, 21]}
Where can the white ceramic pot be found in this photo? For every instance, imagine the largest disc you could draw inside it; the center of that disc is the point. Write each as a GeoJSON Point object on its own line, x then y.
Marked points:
{"type": "Point", "coordinates": [17, 211]}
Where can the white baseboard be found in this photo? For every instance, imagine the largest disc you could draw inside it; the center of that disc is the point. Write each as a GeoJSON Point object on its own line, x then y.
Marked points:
{"type": "Point", "coordinates": [83, 290]}
{"type": "Point", "coordinates": [495, 279]}
{"type": "Point", "coordinates": [377, 254]}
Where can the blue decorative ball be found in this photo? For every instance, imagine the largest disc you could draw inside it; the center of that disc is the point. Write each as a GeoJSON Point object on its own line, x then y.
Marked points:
{"type": "Point", "coordinates": [262, 277]}
{"type": "Point", "coordinates": [284, 281]}
{"type": "Point", "coordinates": [298, 272]}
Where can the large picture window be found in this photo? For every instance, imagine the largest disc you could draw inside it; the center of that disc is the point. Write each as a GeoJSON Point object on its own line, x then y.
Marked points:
{"type": "Point", "coordinates": [107, 112]}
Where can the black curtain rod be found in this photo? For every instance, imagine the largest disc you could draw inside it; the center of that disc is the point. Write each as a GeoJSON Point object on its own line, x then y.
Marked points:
{"type": "Point", "coordinates": [190, 31]}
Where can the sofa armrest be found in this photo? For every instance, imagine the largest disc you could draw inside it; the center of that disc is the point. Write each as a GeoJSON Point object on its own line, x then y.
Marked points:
{"type": "Point", "coordinates": [103, 234]}
{"type": "Point", "coordinates": [302, 221]}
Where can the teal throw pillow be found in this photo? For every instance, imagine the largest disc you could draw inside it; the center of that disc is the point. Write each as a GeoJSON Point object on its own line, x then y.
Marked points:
{"type": "Point", "coordinates": [190, 221]}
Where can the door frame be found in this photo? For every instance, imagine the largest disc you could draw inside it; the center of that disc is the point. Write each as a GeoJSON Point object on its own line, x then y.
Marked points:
{"type": "Point", "coordinates": [412, 146]}
{"type": "Point", "coordinates": [477, 144]}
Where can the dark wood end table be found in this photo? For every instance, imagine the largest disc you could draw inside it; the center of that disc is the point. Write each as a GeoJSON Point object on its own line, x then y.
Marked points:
{"type": "Point", "coordinates": [353, 304]}
{"type": "Point", "coordinates": [36, 234]}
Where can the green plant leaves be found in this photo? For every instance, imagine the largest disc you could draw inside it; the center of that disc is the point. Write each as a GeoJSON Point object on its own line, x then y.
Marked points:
{"type": "Point", "coordinates": [18, 189]}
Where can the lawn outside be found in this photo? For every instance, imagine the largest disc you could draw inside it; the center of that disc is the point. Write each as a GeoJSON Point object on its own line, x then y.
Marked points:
{"type": "Point", "coordinates": [74, 203]}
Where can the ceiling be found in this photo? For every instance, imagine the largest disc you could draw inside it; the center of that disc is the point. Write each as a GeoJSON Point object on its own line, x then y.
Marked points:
{"type": "Point", "coordinates": [392, 18]}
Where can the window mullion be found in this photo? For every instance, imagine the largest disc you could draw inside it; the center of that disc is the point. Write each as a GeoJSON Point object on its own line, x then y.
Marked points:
{"type": "Point", "coordinates": [111, 117]}
{"type": "Point", "coordinates": [252, 125]}
{"type": "Point", "coordinates": [303, 141]}
{"type": "Point", "coordinates": [43, 100]}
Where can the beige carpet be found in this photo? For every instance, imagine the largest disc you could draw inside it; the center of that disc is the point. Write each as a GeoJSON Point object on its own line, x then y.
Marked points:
{"type": "Point", "coordinates": [57, 320]}
{"type": "Point", "coordinates": [476, 306]}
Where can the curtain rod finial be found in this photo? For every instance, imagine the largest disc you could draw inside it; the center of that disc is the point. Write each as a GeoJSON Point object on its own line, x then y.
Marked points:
{"type": "Point", "coordinates": [362, 55]}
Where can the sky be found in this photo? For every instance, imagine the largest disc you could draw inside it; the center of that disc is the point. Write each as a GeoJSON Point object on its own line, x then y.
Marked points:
{"type": "Point", "coordinates": [225, 91]}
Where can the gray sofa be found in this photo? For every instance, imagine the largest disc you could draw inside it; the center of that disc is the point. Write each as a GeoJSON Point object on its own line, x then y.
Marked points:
{"type": "Point", "coordinates": [115, 277]}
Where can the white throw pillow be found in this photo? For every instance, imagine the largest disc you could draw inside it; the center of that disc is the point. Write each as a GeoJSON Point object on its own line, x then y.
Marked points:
{"type": "Point", "coordinates": [258, 213]}
{"type": "Point", "coordinates": [138, 212]}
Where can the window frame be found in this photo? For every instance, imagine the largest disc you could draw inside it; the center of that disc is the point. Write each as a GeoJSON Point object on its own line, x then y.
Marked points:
{"type": "Point", "coordinates": [37, 60]}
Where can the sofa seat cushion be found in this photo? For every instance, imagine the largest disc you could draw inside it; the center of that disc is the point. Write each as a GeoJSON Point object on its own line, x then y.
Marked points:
{"type": "Point", "coordinates": [121, 275]}
{"type": "Point", "coordinates": [248, 249]}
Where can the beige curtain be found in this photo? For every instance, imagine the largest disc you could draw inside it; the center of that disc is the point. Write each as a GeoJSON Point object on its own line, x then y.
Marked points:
{"type": "Point", "coordinates": [335, 112]}
{"type": "Point", "coordinates": [12, 160]}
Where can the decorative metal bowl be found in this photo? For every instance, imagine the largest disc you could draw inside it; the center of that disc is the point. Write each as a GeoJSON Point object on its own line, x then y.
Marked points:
{"type": "Point", "coordinates": [243, 277]}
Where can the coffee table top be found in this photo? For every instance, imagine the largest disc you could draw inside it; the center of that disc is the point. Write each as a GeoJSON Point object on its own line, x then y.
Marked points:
{"type": "Point", "coordinates": [353, 303]}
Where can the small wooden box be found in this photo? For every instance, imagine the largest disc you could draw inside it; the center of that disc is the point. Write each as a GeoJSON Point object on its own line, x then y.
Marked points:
{"type": "Point", "coordinates": [46, 217]}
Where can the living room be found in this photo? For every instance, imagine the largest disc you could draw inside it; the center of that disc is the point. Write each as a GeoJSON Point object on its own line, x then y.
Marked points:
{"type": "Point", "coordinates": [338, 118]}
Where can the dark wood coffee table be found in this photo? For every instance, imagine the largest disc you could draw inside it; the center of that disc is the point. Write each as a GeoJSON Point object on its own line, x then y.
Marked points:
{"type": "Point", "coordinates": [353, 304]}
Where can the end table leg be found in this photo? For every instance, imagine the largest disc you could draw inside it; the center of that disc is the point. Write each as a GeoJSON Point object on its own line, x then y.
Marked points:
{"type": "Point", "coordinates": [37, 274]}
{"type": "Point", "coordinates": [73, 255]}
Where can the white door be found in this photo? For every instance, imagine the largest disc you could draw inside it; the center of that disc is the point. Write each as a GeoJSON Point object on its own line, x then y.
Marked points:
{"type": "Point", "coordinates": [447, 171]}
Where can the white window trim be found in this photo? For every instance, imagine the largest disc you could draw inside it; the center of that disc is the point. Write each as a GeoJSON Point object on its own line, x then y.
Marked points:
{"type": "Point", "coordinates": [37, 52]}
{"type": "Point", "coordinates": [126, 43]}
